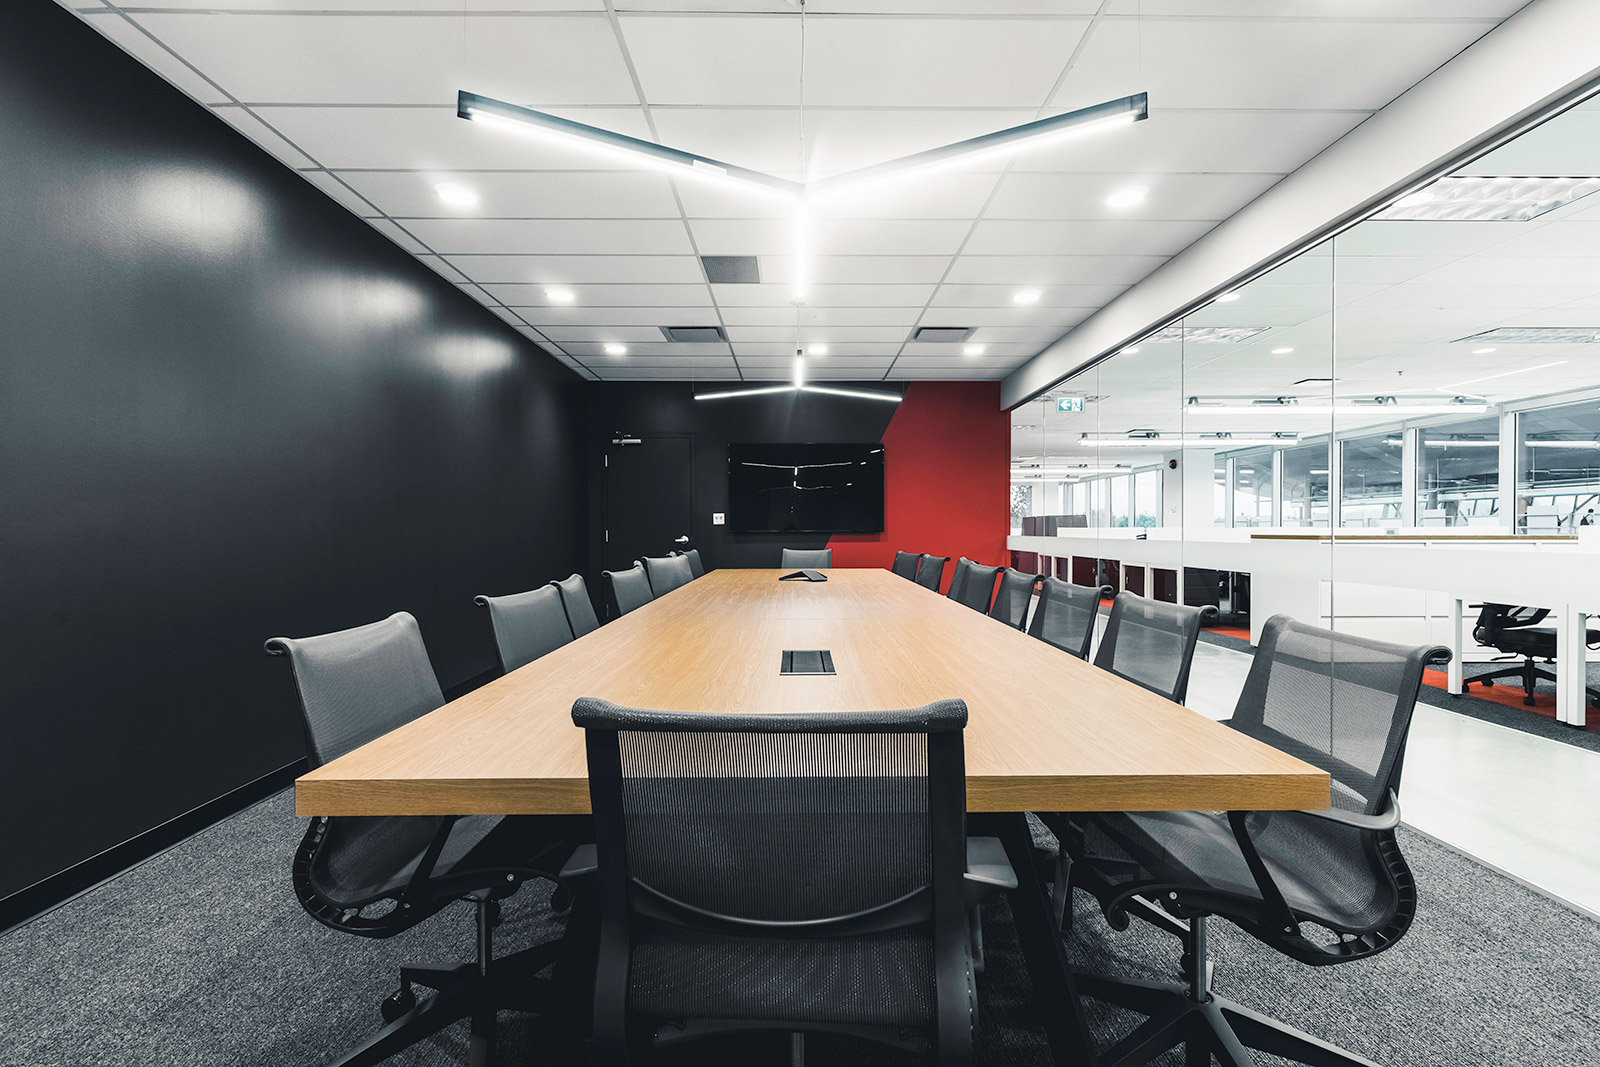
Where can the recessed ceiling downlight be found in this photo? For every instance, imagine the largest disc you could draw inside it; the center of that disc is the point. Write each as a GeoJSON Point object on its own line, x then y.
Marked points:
{"type": "Point", "coordinates": [972, 350]}
{"type": "Point", "coordinates": [559, 296]}
{"type": "Point", "coordinates": [455, 194]}
{"type": "Point", "coordinates": [616, 350]}
{"type": "Point", "coordinates": [1127, 196]}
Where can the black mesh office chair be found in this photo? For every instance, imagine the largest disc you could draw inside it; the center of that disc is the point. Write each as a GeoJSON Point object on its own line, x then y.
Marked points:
{"type": "Point", "coordinates": [1516, 630]}
{"type": "Point", "coordinates": [1066, 615]}
{"type": "Point", "coordinates": [1321, 887]}
{"type": "Point", "coordinates": [1151, 643]}
{"type": "Point", "coordinates": [807, 559]}
{"type": "Point", "coordinates": [930, 571]}
{"type": "Point", "coordinates": [857, 925]}
{"type": "Point", "coordinates": [630, 589]}
{"type": "Point", "coordinates": [696, 568]}
{"type": "Point", "coordinates": [973, 586]}
{"type": "Point", "coordinates": [905, 565]}
{"type": "Point", "coordinates": [667, 573]}
{"type": "Point", "coordinates": [527, 625]}
{"type": "Point", "coordinates": [380, 876]}
{"type": "Point", "coordinates": [1014, 597]}
{"type": "Point", "coordinates": [958, 577]}
{"type": "Point", "coordinates": [579, 608]}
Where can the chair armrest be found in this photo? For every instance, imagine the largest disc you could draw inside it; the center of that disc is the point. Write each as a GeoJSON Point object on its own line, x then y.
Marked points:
{"type": "Point", "coordinates": [583, 863]}
{"type": "Point", "coordinates": [1388, 820]}
{"type": "Point", "coordinates": [988, 870]}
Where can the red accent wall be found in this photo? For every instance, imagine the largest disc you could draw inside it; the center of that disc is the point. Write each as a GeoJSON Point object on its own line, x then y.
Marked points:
{"type": "Point", "coordinates": [947, 475]}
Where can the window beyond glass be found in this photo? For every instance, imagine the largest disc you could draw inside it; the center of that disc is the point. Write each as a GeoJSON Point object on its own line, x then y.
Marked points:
{"type": "Point", "coordinates": [1458, 472]}
{"type": "Point", "coordinates": [1305, 485]}
{"type": "Point", "coordinates": [1558, 468]}
{"type": "Point", "coordinates": [1252, 488]}
{"type": "Point", "coordinates": [1369, 480]}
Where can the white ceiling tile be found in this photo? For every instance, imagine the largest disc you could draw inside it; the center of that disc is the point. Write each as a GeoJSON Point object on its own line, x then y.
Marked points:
{"type": "Point", "coordinates": [401, 59]}
{"type": "Point", "coordinates": [715, 61]}
{"type": "Point", "coordinates": [933, 237]}
{"type": "Point", "coordinates": [779, 296]}
{"type": "Point", "coordinates": [998, 298]}
{"type": "Point", "coordinates": [1312, 9]}
{"type": "Point", "coordinates": [817, 368]}
{"type": "Point", "coordinates": [761, 139]}
{"type": "Point", "coordinates": [639, 350]}
{"type": "Point", "coordinates": [1497, 270]}
{"type": "Point", "coordinates": [138, 44]}
{"type": "Point", "coordinates": [1025, 195]}
{"type": "Point", "coordinates": [952, 195]}
{"type": "Point", "coordinates": [541, 195]}
{"type": "Point", "coordinates": [851, 137]}
{"type": "Point", "coordinates": [1033, 316]}
{"type": "Point", "coordinates": [397, 235]}
{"type": "Point", "coordinates": [785, 349]}
{"type": "Point", "coordinates": [1568, 146]}
{"type": "Point", "coordinates": [340, 192]}
{"type": "Point", "coordinates": [1424, 238]}
{"type": "Point", "coordinates": [1569, 237]}
{"type": "Point", "coordinates": [1265, 142]}
{"type": "Point", "coordinates": [258, 132]}
{"type": "Point", "coordinates": [1141, 237]}
{"type": "Point", "coordinates": [564, 335]}
{"type": "Point", "coordinates": [439, 266]}
{"type": "Point", "coordinates": [576, 272]}
{"type": "Point", "coordinates": [558, 317]}
{"type": "Point", "coordinates": [507, 316]}
{"type": "Point", "coordinates": [809, 316]}
{"type": "Point", "coordinates": [743, 237]}
{"type": "Point", "coordinates": [664, 296]}
{"type": "Point", "coordinates": [831, 335]}
{"type": "Point", "coordinates": [947, 373]}
{"type": "Point", "coordinates": [367, 7]}
{"type": "Point", "coordinates": [1040, 272]}
{"type": "Point", "coordinates": [433, 139]}
{"type": "Point", "coordinates": [552, 236]}
{"type": "Point", "coordinates": [866, 62]}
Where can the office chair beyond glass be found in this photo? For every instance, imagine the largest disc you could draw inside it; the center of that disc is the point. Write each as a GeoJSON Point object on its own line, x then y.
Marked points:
{"type": "Point", "coordinates": [973, 585]}
{"type": "Point", "coordinates": [857, 925]}
{"type": "Point", "coordinates": [379, 876]}
{"type": "Point", "coordinates": [1321, 887]}
{"type": "Point", "coordinates": [667, 573]}
{"type": "Point", "coordinates": [807, 559]}
{"type": "Point", "coordinates": [579, 608]}
{"type": "Point", "coordinates": [905, 565]}
{"type": "Point", "coordinates": [1151, 643]}
{"type": "Point", "coordinates": [1066, 615]}
{"type": "Point", "coordinates": [1014, 597]}
{"type": "Point", "coordinates": [527, 625]}
{"type": "Point", "coordinates": [630, 589]}
{"type": "Point", "coordinates": [1516, 630]}
{"type": "Point", "coordinates": [930, 571]}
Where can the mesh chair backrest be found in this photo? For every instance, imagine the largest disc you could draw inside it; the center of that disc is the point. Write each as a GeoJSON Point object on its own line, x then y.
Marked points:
{"type": "Point", "coordinates": [905, 565]}
{"type": "Point", "coordinates": [360, 683]}
{"type": "Point", "coordinates": [580, 609]}
{"type": "Point", "coordinates": [1340, 702]}
{"type": "Point", "coordinates": [1012, 600]}
{"type": "Point", "coordinates": [1065, 616]}
{"type": "Point", "coordinates": [958, 577]}
{"type": "Point", "coordinates": [814, 559]}
{"type": "Point", "coordinates": [692, 803]}
{"type": "Point", "coordinates": [1150, 642]}
{"type": "Point", "coordinates": [667, 573]}
{"type": "Point", "coordinates": [930, 571]}
{"type": "Point", "coordinates": [1495, 618]}
{"type": "Point", "coordinates": [696, 568]}
{"type": "Point", "coordinates": [630, 588]}
{"type": "Point", "coordinates": [527, 625]}
{"type": "Point", "coordinates": [977, 586]}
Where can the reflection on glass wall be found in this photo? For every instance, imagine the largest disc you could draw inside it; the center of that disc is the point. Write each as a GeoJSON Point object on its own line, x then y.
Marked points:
{"type": "Point", "coordinates": [1252, 488]}
{"type": "Point", "coordinates": [1370, 488]}
{"type": "Point", "coordinates": [1558, 467]}
{"type": "Point", "coordinates": [1458, 473]}
{"type": "Point", "coordinates": [1306, 469]}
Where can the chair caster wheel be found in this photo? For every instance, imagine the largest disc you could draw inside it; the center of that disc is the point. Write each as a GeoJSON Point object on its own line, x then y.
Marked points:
{"type": "Point", "coordinates": [1488, 684]}
{"type": "Point", "coordinates": [397, 1004]}
{"type": "Point", "coordinates": [560, 899]}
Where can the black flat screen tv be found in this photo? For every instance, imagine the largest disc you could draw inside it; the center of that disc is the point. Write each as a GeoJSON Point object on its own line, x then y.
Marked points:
{"type": "Point", "coordinates": [805, 488]}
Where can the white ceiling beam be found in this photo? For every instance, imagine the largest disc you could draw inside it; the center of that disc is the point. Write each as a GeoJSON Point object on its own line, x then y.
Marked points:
{"type": "Point", "coordinates": [1539, 57]}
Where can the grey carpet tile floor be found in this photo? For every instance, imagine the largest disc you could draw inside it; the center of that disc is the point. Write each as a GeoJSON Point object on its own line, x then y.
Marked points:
{"type": "Point", "coordinates": [203, 956]}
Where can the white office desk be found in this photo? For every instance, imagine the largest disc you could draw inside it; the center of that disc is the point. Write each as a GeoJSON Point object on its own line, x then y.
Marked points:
{"type": "Point", "coordinates": [1299, 573]}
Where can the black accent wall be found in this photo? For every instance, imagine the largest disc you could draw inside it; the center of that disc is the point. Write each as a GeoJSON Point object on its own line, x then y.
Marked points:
{"type": "Point", "coordinates": [228, 410]}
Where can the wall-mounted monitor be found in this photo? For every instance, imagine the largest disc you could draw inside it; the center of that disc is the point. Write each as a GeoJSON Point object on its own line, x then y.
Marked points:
{"type": "Point", "coordinates": [805, 488]}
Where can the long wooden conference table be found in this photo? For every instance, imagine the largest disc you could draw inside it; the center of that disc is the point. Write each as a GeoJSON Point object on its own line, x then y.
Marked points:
{"type": "Point", "coordinates": [1046, 731]}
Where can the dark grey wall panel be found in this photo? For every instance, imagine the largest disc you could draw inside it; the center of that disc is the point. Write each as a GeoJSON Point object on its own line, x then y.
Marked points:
{"type": "Point", "coordinates": [228, 410]}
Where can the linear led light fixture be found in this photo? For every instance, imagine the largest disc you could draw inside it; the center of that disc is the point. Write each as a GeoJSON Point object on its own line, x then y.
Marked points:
{"type": "Point", "coordinates": [1011, 141]}
{"type": "Point", "coordinates": [858, 394]}
{"type": "Point", "coordinates": [547, 127]}
{"type": "Point", "coordinates": [1291, 406]}
{"type": "Point", "coordinates": [1220, 439]}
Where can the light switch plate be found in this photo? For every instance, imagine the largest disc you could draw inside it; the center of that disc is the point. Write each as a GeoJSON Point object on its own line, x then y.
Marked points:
{"type": "Point", "coordinates": [718, 518]}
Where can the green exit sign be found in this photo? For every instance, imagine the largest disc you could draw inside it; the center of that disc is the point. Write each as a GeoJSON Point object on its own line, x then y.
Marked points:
{"type": "Point", "coordinates": [1069, 403]}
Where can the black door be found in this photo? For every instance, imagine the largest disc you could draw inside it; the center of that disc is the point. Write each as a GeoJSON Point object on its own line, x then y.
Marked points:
{"type": "Point", "coordinates": [648, 487]}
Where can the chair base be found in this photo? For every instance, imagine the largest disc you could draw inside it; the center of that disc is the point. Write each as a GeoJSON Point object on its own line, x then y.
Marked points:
{"type": "Point", "coordinates": [475, 991]}
{"type": "Point", "coordinates": [1214, 1027]}
{"type": "Point", "coordinates": [1528, 674]}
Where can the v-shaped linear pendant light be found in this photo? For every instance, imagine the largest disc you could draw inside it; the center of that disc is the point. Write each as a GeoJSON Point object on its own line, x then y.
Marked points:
{"type": "Point", "coordinates": [1008, 142]}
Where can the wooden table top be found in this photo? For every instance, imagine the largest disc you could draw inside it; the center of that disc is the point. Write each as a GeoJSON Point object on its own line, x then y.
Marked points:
{"type": "Point", "coordinates": [1046, 731]}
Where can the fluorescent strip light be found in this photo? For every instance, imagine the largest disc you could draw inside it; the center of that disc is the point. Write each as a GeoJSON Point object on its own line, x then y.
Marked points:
{"type": "Point", "coordinates": [731, 393]}
{"type": "Point", "coordinates": [1185, 442]}
{"type": "Point", "coordinates": [1462, 444]}
{"type": "Point", "coordinates": [672, 161]}
{"type": "Point", "coordinates": [859, 394]}
{"type": "Point", "coordinates": [1562, 444]}
{"type": "Point", "coordinates": [1336, 409]}
{"type": "Point", "coordinates": [1016, 139]}
{"type": "Point", "coordinates": [799, 371]}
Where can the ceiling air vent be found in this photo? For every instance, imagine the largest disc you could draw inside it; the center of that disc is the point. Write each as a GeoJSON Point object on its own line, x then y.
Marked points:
{"type": "Point", "coordinates": [943, 334]}
{"type": "Point", "coordinates": [703, 334]}
{"type": "Point", "coordinates": [731, 270]}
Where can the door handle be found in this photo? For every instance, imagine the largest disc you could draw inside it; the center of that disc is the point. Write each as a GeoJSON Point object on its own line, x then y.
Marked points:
{"type": "Point", "coordinates": [681, 540]}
